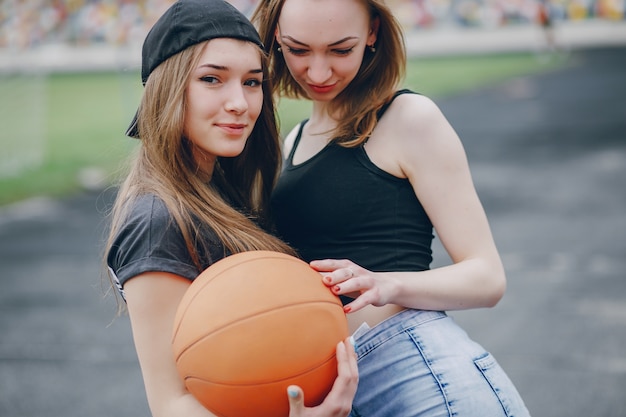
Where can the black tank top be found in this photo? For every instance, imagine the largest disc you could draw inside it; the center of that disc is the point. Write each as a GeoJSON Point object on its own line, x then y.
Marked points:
{"type": "Point", "coordinates": [338, 204]}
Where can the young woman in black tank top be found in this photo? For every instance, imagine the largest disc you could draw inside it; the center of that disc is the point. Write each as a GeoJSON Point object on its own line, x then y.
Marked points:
{"type": "Point", "coordinates": [368, 178]}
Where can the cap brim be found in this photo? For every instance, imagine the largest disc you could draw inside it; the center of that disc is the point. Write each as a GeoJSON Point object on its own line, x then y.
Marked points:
{"type": "Point", "coordinates": [133, 129]}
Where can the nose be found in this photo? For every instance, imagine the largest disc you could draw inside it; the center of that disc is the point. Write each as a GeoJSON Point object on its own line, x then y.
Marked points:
{"type": "Point", "coordinates": [319, 70]}
{"type": "Point", "coordinates": [236, 101]}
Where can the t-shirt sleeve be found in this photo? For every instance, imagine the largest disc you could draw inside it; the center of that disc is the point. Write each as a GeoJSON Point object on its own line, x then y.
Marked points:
{"type": "Point", "coordinates": [149, 241]}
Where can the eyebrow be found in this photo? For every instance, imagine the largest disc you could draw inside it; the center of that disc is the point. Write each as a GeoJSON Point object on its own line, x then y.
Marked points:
{"type": "Point", "coordinates": [340, 41]}
{"type": "Point", "coordinates": [225, 68]}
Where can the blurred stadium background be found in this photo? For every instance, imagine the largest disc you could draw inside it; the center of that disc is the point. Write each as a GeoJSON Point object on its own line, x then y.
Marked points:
{"type": "Point", "coordinates": [43, 37]}
{"type": "Point", "coordinates": [28, 23]}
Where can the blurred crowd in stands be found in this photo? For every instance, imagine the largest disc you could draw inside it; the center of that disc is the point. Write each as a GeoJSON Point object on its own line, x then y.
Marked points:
{"type": "Point", "coordinates": [29, 23]}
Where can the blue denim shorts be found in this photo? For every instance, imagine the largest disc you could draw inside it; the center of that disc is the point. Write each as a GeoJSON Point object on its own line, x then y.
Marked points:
{"type": "Point", "coordinates": [421, 363]}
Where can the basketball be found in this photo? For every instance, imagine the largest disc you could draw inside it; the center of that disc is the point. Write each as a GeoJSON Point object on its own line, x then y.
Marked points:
{"type": "Point", "coordinates": [252, 324]}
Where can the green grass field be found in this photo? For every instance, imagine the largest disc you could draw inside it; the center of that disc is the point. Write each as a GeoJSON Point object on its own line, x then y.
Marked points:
{"type": "Point", "coordinates": [70, 127]}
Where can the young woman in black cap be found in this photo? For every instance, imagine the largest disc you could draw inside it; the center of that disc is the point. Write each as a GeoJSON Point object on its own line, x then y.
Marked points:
{"type": "Point", "coordinates": [367, 178]}
{"type": "Point", "coordinates": [198, 189]}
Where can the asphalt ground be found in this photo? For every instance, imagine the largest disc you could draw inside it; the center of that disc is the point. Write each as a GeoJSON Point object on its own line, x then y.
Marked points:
{"type": "Point", "coordinates": [548, 155]}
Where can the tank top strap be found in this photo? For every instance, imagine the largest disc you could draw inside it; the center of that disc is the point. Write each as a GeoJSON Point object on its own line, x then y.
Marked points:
{"type": "Point", "coordinates": [296, 141]}
{"type": "Point", "coordinates": [385, 106]}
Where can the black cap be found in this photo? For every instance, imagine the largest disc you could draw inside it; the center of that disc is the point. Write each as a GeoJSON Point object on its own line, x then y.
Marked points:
{"type": "Point", "coordinates": [186, 23]}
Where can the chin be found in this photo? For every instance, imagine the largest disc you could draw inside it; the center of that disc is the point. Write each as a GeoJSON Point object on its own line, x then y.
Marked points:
{"type": "Point", "coordinates": [325, 97]}
{"type": "Point", "coordinates": [231, 153]}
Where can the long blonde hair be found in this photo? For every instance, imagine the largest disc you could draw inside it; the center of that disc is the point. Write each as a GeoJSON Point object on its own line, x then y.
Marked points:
{"type": "Point", "coordinates": [164, 166]}
{"type": "Point", "coordinates": [378, 78]}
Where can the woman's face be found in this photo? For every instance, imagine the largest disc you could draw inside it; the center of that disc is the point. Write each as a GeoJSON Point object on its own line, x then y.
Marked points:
{"type": "Point", "coordinates": [323, 42]}
{"type": "Point", "coordinates": [224, 100]}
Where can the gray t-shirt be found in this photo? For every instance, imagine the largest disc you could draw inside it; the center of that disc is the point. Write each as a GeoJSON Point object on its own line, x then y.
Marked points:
{"type": "Point", "coordinates": [151, 241]}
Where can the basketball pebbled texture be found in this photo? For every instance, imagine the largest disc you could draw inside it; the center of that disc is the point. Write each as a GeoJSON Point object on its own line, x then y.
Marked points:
{"type": "Point", "coordinates": [251, 325]}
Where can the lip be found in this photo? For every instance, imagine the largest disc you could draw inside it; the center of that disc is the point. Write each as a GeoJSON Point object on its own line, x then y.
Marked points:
{"type": "Point", "coordinates": [232, 128]}
{"type": "Point", "coordinates": [322, 89]}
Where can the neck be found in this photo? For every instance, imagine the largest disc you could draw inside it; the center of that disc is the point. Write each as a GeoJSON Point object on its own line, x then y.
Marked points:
{"type": "Point", "coordinates": [320, 121]}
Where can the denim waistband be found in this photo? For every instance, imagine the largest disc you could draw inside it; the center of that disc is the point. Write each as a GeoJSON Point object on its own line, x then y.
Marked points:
{"type": "Point", "coordinates": [400, 321]}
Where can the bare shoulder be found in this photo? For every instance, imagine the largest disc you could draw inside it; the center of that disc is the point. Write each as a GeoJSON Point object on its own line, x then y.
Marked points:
{"type": "Point", "coordinates": [414, 113]}
{"type": "Point", "coordinates": [290, 140]}
{"type": "Point", "coordinates": [400, 133]}
{"type": "Point", "coordinates": [419, 135]}
{"type": "Point", "coordinates": [415, 120]}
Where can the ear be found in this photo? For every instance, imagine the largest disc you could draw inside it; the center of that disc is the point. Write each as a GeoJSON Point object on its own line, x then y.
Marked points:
{"type": "Point", "coordinates": [277, 36]}
{"type": "Point", "coordinates": [373, 34]}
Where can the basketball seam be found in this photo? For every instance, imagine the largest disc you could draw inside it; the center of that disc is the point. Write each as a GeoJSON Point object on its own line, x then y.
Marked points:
{"type": "Point", "coordinates": [275, 255]}
{"type": "Point", "coordinates": [273, 381]}
{"type": "Point", "coordinates": [256, 314]}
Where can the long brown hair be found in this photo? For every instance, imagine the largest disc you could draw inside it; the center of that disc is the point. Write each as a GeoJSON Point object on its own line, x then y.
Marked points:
{"type": "Point", "coordinates": [164, 166]}
{"type": "Point", "coordinates": [379, 76]}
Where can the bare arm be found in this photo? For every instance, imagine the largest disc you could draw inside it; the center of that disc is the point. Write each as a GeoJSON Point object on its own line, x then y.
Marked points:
{"type": "Point", "coordinates": [152, 300]}
{"type": "Point", "coordinates": [423, 147]}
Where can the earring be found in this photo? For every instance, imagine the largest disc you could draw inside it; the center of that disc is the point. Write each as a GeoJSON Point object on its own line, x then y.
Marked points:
{"type": "Point", "coordinates": [372, 48]}
{"type": "Point", "coordinates": [279, 49]}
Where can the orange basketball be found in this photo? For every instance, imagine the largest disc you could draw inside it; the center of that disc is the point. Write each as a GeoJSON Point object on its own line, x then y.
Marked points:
{"type": "Point", "coordinates": [251, 325]}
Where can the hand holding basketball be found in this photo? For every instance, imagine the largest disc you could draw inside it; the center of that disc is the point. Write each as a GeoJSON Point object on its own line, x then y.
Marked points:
{"type": "Point", "coordinates": [344, 277]}
{"type": "Point", "coordinates": [338, 402]}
